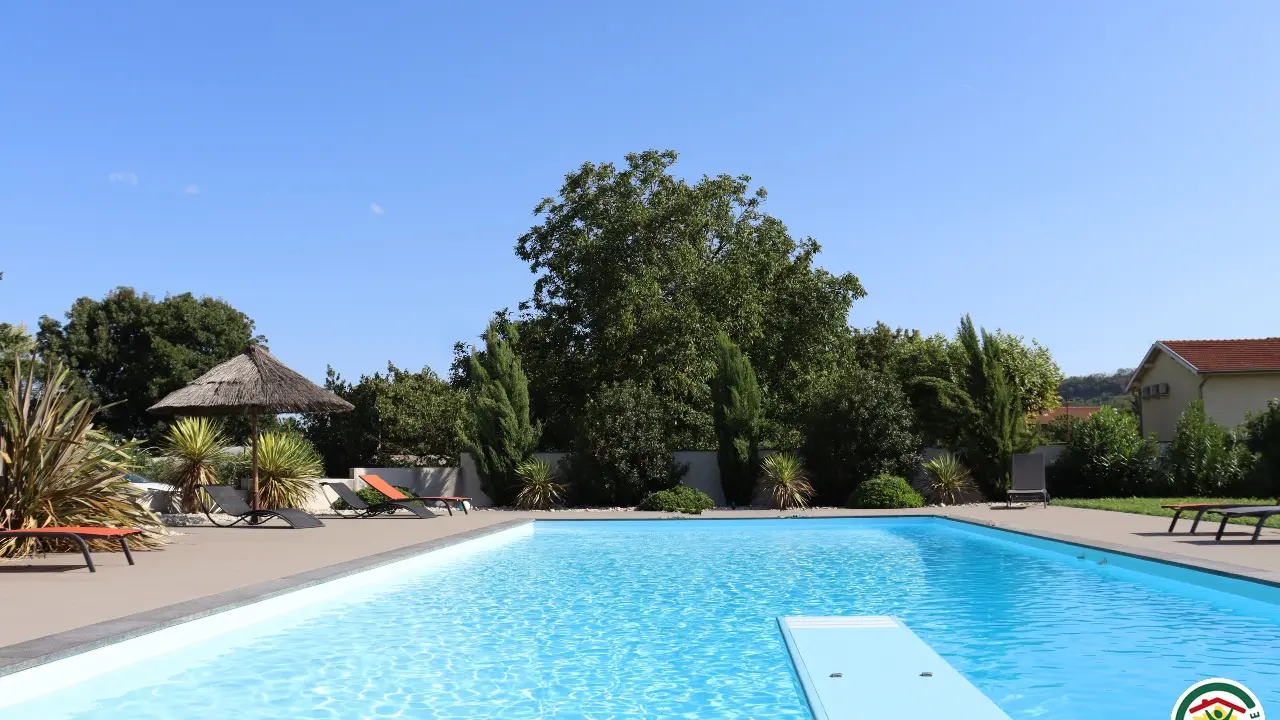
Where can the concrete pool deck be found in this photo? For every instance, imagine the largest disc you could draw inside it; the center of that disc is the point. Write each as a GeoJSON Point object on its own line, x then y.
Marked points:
{"type": "Point", "coordinates": [63, 606]}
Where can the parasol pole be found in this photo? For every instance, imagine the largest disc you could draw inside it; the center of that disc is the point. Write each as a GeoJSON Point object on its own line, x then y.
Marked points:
{"type": "Point", "coordinates": [255, 459]}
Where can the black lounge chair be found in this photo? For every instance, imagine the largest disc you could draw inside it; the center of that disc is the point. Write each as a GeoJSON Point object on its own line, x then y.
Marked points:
{"type": "Point", "coordinates": [1200, 509]}
{"type": "Point", "coordinates": [364, 509]}
{"type": "Point", "coordinates": [229, 501]}
{"type": "Point", "coordinates": [1028, 479]}
{"type": "Point", "coordinates": [1262, 512]}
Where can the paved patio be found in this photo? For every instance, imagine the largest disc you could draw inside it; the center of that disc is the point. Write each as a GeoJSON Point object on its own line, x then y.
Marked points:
{"type": "Point", "coordinates": [55, 593]}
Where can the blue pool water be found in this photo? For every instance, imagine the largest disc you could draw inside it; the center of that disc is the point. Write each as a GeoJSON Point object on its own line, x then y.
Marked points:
{"type": "Point", "coordinates": [678, 620]}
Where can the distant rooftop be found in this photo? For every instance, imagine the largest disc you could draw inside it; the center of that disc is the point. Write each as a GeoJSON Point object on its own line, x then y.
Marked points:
{"type": "Point", "coordinates": [1075, 411]}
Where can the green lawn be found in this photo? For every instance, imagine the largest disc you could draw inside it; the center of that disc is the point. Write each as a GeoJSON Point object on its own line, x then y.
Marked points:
{"type": "Point", "coordinates": [1151, 506]}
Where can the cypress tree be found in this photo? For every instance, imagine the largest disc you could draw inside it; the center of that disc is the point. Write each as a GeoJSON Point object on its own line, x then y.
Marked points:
{"type": "Point", "coordinates": [738, 413]}
{"type": "Point", "coordinates": [996, 428]}
{"type": "Point", "coordinates": [496, 427]}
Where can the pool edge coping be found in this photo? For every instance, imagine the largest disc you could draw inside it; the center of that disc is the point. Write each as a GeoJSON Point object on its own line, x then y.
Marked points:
{"type": "Point", "coordinates": [1222, 569]}
{"type": "Point", "coordinates": [1213, 567]}
{"type": "Point", "coordinates": [58, 646]}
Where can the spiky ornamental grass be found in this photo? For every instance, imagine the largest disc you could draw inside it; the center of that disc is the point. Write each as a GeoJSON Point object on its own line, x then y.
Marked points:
{"type": "Point", "coordinates": [59, 470]}
{"type": "Point", "coordinates": [947, 481]}
{"type": "Point", "coordinates": [538, 487]}
{"type": "Point", "coordinates": [195, 448]}
{"type": "Point", "coordinates": [287, 468]}
{"type": "Point", "coordinates": [783, 482]}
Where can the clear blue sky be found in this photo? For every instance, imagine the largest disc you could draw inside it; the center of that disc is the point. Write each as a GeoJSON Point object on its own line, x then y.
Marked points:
{"type": "Point", "coordinates": [353, 176]}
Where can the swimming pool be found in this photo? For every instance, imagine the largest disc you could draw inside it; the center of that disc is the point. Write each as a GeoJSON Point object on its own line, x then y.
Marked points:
{"type": "Point", "coordinates": [660, 619]}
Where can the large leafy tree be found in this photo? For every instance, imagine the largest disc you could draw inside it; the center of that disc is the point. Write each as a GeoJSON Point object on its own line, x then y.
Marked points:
{"type": "Point", "coordinates": [496, 426]}
{"type": "Point", "coordinates": [16, 343]}
{"type": "Point", "coordinates": [738, 413]}
{"type": "Point", "coordinates": [639, 270]}
{"type": "Point", "coordinates": [910, 358]}
{"type": "Point", "coordinates": [400, 418]}
{"type": "Point", "coordinates": [859, 426]}
{"type": "Point", "coordinates": [919, 361]}
{"type": "Point", "coordinates": [1029, 368]}
{"type": "Point", "coordinates": [621, 452]}
{"type": "Point", "coordinates": [131, 349]}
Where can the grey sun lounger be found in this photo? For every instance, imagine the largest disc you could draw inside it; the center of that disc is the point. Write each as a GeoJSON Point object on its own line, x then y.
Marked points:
{"type": "Point", "coordinates": [364, 509]}
{"type": "Point", "coordinates": [229, 501]}
{"type": "Point", "coordinates": [1262, 512]}
{"type": "Point", "coordinates": [1200, 509]}
{"type": "Point", "coordinates": [1028, 479]}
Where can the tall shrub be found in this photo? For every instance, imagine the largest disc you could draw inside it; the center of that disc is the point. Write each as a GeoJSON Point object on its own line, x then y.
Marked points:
{"type": "Point", "coordinates": [1202, 460]}
{"type": "Point", "coordinates": [983, 406]}
{"type": "Point", "coordinates": [496, 427]}
{"type": "Point", "coordinates": [738, 411]}
{"type": "Point", "coordinates": [1261, 435]}
{"type": "Point", "coordinates": [1107, 457]}
{"type": "Point", "coordinates": [60, 470]}
{"type": "Point", "coordinates": [620, 454]}
{"type": "Point", "coordinates": [998, 428]}
{"type": "Point", "coordinates": [860, 427]}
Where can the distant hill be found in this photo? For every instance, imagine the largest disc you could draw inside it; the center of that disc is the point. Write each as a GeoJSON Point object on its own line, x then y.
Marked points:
{"type": "Point", "coordinates": [1096, 389]}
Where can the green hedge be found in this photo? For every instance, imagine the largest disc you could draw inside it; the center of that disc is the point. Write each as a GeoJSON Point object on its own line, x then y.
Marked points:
{"type": "Point", "coordinates": [885, 492]}
{"type": "Point", "coordinates": [678, 499]}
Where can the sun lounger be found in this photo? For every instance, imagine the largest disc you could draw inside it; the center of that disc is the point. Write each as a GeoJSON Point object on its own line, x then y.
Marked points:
{"type": "Point", "coordinates": [1200, 509]}
{"type": "Point", "coordinates": [1028, 479]}
{"type": "Point", "coordinates": [364, 509]}
{"type": "Point", "coordinates": [78, 535]}
{"type": "Point", "coordinates": [1262, 512]}
{"type": "Point", "coordinates": [392, 493]}
{"type": "Point", "coordinates": [229, 501]}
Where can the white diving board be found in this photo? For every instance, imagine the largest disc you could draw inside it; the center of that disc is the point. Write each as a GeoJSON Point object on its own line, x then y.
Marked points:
{"type": "Point", "coordinates": [846, 664]}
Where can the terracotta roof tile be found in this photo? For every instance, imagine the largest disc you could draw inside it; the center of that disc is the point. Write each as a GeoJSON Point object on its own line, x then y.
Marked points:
{"type": "Point", "coordinates": [1262, 355]}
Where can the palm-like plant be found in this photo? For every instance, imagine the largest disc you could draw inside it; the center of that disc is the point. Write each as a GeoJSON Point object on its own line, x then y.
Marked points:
{"type": "Point", "coordinates": [287, 466]}
{"type": "Point", "coordinates": [59, 470]}
{"type": "Point", "coordinates": [539, 489]}
{"type": "Point", "coordinates": [947, 481]}
{"type": "Point", "coordinates": [196, 448]}
{"type": "Point", "coordinates": [784, 483]}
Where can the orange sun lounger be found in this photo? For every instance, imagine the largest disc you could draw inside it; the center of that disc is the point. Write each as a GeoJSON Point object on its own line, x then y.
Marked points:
{"type": "Point", "coordinates": [392, 493]}
{"type": "Point", "coordinates": [78, 534]}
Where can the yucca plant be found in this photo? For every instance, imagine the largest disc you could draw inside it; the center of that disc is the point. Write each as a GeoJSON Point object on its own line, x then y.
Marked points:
{"type": "Point", "coordinates": [947, 482]}
{"type": "Point", "coordinates": [287, 468]}
{"type": "Point", "coordinates": [538, 487]}
{"type": "Point", "coordinates": [59, 470]}
{"type": "Point", "coordinates": [196, 448]}
{"type": "Point", "coordinates": [783, 482]}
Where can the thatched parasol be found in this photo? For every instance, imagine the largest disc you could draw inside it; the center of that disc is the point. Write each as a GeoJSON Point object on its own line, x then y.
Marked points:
{"type": "Point", "coordinates": [250, 383]}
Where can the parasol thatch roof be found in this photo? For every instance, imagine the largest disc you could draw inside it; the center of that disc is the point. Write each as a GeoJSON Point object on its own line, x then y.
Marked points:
{"type": "Point", "coordinates": [253, 381]}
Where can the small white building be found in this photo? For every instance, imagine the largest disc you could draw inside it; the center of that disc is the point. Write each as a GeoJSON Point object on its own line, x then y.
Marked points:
{"type": "Point", "coordinates": [1232, 377]}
